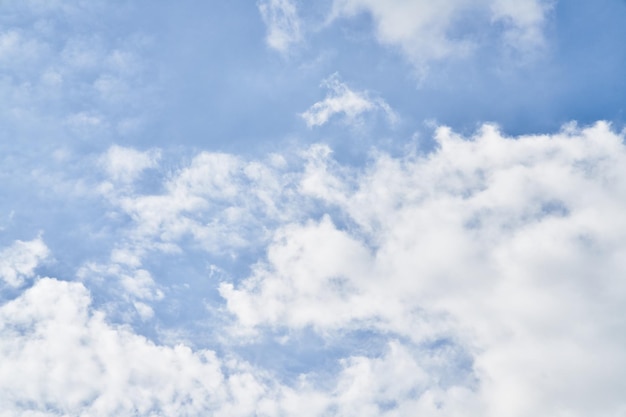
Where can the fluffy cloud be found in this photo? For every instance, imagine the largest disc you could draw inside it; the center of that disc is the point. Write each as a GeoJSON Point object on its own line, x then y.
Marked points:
{"type": "Point", "coordinates": [18, 261]}
{"type": "Point", "coordinates": [423, 29]}
{"type": "Point", "coordinates": [125, 164]}
{"type": "Point", "coordinates": [490, 267]}
{"type": "Point", "coordinates": [61, 358]}
{"type": "Point", "coordinates": [341, 100]}
{"type": "Point", "coordinates": [211, 199]}
{"type": "Point", "coordinates": [283, 23]}
{"type": "Point", "coordinates": [510, 247]}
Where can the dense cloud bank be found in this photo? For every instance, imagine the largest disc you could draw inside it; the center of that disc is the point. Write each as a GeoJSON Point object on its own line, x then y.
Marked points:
{"type": "Point", "coordinates": [492, 267]}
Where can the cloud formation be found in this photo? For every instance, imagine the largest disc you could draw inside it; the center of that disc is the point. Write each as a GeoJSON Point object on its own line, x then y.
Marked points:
{"type": "Point", "coordinates": [424, 31]}
{"type": "Point", "coordinates": [18, 261]}
{"type": "Point", "coordinates": [283, 24]}
{"type": "Point", "coordinates": [477, 275]}
{"type": "Point", "coordinates": [61, 358]}
{"type": "Point", "coordinates": [341, 100]}
{"type": "Point", "coordinates": [493, 282]}
{"type": "Point", "coordinates": [487, 242]}
{"type": "Point", "coordinates": [125, 164]}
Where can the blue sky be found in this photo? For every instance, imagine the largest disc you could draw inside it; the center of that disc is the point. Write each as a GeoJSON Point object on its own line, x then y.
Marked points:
{"type": "Point", "coordinates": [333, 208]}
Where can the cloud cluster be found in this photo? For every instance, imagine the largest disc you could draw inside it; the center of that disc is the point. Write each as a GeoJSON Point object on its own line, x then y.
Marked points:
{"type": "Point", "coordinates": [60, 358]}
{"type": "Point", "coordinates": [422, 30]}
{"type": "Point", "coordinates": [489, 242]}
{"type": "Point", "coordinates": [491, 268]}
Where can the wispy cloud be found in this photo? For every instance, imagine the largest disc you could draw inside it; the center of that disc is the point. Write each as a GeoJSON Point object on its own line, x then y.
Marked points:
{"type": "Point", "coordinates": [341, 100]}
{"type": "Point", "coordinates": [18, 261]}
{"type": "Point", "coordinates": [422, 29]}
{"type": "Point", "coordinates": [125, 164]}
{"type": "Point", "coordinates": [284, 28]}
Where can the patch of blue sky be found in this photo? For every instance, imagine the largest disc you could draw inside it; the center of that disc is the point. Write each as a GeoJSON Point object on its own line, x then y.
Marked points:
{"type": "Point", "coordinates": [292, 354]}
{"type": "Point", "coordinates": [225, 91]}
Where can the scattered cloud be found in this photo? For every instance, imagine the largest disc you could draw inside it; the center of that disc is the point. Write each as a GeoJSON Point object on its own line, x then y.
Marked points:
{"type": "Point", "coordinates": [283, 24]}
{"type": "Point", "coordinates": [18, 261]}
{"type": "Point", "coordinates": [62, 358]}
{"type": "Point", "coordinates": [341, 100]}
{"type": "Point", "coordinates": [126, 164]}
{"type": "Point", "coordinates": [494, 282]}
{"type": "Point", "coordinates": [482, 277]}
{"type": "Point", "coordinates": [423, 30]}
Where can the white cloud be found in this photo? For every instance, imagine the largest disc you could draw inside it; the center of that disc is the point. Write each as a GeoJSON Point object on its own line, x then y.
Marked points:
{"type": "Point", "coordinates": [126, 164]}
{"type": "Point", "coordinates": [222, 201]}
{"type": "Point", "coordinates": [133, 286]}
{"type": "Point", "coordinates": [491, 268]}
{"type": "Point", "coordinates": [283, 24]}
{"type": "Point", "coordinates": [61, 358]}
{"type": "Point", "coordinates": [511, 247]}
{"type": "Point", "coordinates": [422, 29]}
{"type": "Point", "coordinates": [18, 261]}
{"type": "Point", "coordinates": [218, 202]}
{"type": "Point", "coordinates": [346, 102]}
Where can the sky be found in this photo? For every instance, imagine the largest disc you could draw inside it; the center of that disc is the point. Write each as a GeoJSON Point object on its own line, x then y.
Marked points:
{"type": "Point", "coordinates": [373, 208]}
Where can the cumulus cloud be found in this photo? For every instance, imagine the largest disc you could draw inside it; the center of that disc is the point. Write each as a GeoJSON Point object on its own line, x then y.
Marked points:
{"type": "Point", "coordinates": [423, 29]}
{"type": "Point", "coordinates": [508, 246]}
{"type": "Point", "coordinates": [283, 24]}
{"type": "Point", "coordinates": [61, 358]}
{"type": "Point", "coordinates": [18, 261]}
{"type": "Point", "coordinates": [491, 267]}
{"type": "Point", "coordinates": [341, 100]}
